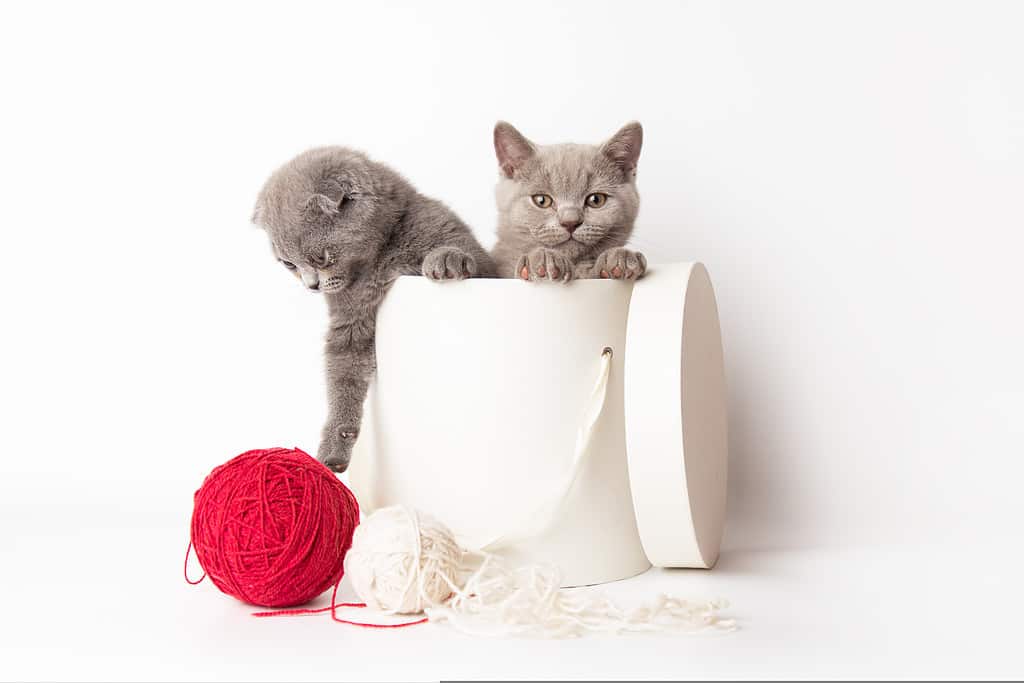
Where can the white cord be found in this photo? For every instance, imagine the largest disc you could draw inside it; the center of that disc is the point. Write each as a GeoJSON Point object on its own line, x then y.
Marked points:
{"type": "Point", "coordinates": [537, 522]}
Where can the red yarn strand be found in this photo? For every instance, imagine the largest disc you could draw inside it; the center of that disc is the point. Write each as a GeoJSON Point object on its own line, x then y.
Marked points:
{"type": "Point", "coordinates": [309, 612]}
{"type": "Point", "coordinates": [334, 614]}
{"type": "Point", "coordinates": [333, 608]}
{"type": "Point", "coordinates": [188, 580]}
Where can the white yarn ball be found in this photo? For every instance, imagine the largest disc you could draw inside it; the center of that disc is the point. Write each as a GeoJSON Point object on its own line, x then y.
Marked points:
{"type": "Point", "coordinates": [403, 561]}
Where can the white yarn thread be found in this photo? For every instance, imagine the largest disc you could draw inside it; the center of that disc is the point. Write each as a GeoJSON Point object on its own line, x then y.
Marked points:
{"type": "Point", "coordinates": [402, 561]}
{"type": "Point", "coordinates": [406, 562]}
{"type": "Point", "coordinates": [528, 602]}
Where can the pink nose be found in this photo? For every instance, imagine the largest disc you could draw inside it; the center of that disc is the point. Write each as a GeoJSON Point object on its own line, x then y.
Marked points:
{"type": "Point", "coordinates": [570, 223]}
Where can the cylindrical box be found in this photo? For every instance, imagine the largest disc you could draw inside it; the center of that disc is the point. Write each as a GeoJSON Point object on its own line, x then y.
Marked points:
{"type": "Point", "coordinates": [481, 392]}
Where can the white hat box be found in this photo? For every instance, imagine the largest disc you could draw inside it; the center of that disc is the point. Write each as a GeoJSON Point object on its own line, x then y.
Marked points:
{"type": "Point", "coordinates": [484, 393]}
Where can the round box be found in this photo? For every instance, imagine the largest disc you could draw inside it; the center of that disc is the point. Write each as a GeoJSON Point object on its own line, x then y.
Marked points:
{"type": "Point", "coordinates": [481, 390]}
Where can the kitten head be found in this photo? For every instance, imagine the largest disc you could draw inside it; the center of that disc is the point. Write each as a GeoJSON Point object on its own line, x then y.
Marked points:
{"type": "Point", "coordinates": [568, 197]}
{"type": "Point", "coordinates": [328, 213]}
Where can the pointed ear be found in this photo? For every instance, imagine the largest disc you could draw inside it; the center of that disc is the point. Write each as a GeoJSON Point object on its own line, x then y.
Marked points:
{"type": "Point", "coordinates": [321, 205]}
{"type": "Point", "coordinates": [511, 147]}
{"type": "Point", "coordinates": [624, 147]}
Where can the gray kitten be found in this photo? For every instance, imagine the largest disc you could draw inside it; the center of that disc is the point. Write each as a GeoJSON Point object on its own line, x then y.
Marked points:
{"type": "Point", "coordinates": [348, 227]}
{"type": "Point", "coordinates": [566, 211]}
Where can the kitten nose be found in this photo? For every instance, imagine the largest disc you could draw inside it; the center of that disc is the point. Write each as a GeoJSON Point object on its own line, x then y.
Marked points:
{"type": "Point", "coordinates": [309, 278]}
{"type": "Point", "coordinates": [570, 220]}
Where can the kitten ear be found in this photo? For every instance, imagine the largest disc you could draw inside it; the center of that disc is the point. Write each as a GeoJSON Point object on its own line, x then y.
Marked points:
{"type": "Point", "coordinates": [624, 147]}
{"type": "Point", "coordinates": [322, 205]}
{"type": "Point", "coordinates": [511, 147]}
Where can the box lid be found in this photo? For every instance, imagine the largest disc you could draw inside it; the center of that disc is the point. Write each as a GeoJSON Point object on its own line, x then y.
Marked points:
{"type": "Point", "coordinates": [675, 416]}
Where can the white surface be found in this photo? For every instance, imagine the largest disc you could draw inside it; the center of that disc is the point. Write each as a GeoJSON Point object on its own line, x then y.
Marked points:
{"type": "Point", "coordinates": [676, 424]}
{"type": "Point", "coordinates": [475, 420]}
{"type": "Point", "coordinates": [900, 611]}
{"type": "Point", "coordinates": [850, 173]}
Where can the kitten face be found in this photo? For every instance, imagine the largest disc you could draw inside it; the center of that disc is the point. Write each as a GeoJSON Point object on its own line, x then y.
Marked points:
{"type": "Point", "coordinates": [323, 216]}
{"type": "Point", "coordinates": [568, 197]}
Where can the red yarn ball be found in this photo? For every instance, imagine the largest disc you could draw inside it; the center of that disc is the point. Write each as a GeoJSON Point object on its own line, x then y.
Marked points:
{"type": "Point", "coordinates": [271, 527]}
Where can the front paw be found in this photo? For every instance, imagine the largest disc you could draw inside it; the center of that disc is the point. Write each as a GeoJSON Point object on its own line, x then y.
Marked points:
{"type": "Point", "coordinates": [336, 446]}
{"type": "Point", "coordinates": [543, 264]}
{"type": "Point", "coordinates": [448, 263]}
{"type": "Point", "coordinates": [619, 263]}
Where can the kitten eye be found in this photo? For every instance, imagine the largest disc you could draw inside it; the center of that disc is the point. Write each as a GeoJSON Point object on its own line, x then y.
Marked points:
{"type": "Point", "coordinates": [288, 264]}
{"type": "Point", "coordinates": [596, 200]}
{"type": "Point", "coordinates": [542, 201]}
{"type": "Point", "coordinates": [320, 262]}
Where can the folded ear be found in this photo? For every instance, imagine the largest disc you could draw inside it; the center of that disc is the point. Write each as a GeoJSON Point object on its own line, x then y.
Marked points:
{"type": "Point", "coordinates": [511, 147]}
{"type": "Point", "coordinates": [624, 147]}
{"type": "Point", "coordinates": [321, 205]}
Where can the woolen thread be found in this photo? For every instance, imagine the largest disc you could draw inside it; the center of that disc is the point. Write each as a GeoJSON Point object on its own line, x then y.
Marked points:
{"type": "Point", "coordinates": [403, 561]}
{"type": "Point", "coordinates": [271, 527]}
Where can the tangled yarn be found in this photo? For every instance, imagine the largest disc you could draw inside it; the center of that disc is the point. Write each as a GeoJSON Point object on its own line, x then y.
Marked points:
{"type": "Point", "coordinates": [528, 602]}
{"type": "Point", "coordinates": [403, 562]}
{"type": "Point", "coordinates": [271, 527]}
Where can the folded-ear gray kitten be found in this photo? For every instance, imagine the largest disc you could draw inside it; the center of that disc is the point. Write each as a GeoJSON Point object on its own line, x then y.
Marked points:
{"type": "Point", "coordinates": [566, 211]}
{"type": "Point", "coordinates": [347, 227]}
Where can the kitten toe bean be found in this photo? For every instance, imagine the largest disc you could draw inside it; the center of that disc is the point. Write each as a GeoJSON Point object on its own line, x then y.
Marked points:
{"type": "Point", "coordinates": [545, 265]}
{"type": "Point", "coordinates": [619, 263]}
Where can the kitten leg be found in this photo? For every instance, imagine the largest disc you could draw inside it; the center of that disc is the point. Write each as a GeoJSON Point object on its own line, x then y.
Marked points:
{"type": "Point", "coordinates": [448, 263]}
{"type": "Point", "coordinates": [350, 365]}
{"type": "Point", "coordinates": [619, 263]}
{"type": "Point", "coordinates": [542, 264]}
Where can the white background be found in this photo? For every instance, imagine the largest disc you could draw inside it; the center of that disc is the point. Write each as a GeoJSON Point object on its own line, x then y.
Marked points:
{"type": "Point", "coordinates": [851, 173]}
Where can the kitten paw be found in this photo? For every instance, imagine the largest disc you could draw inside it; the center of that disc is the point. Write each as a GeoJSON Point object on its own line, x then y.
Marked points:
{"type": "Point", "coordinates": [448, 263]}
{"type": "Point", "coordinates": [619, 263]}
{"type": "Point", "coordinates": [336, 447]}
{"type": "Point", "coordinates": [544, 265]}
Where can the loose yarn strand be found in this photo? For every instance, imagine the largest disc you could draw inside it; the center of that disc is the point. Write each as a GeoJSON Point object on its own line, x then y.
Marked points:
{"type": "Point", "coordinates": [198, 581]}
{"type": "Point", "coordinates": [497, 601]}
{"type": "Point", "coordinates": [333, 609]}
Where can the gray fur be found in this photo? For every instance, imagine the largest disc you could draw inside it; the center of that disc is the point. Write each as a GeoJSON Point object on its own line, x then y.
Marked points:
{"type": "Point", "coordinates": [350, 227]}
{"type": "Point", "coordinates": [569, 239]}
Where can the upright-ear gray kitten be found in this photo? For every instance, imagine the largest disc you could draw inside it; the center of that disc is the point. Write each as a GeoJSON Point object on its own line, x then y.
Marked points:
{"type": "Point", "coordinates": [566, 211]}
{"type": "Point", "coordinates": [347, 227]}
